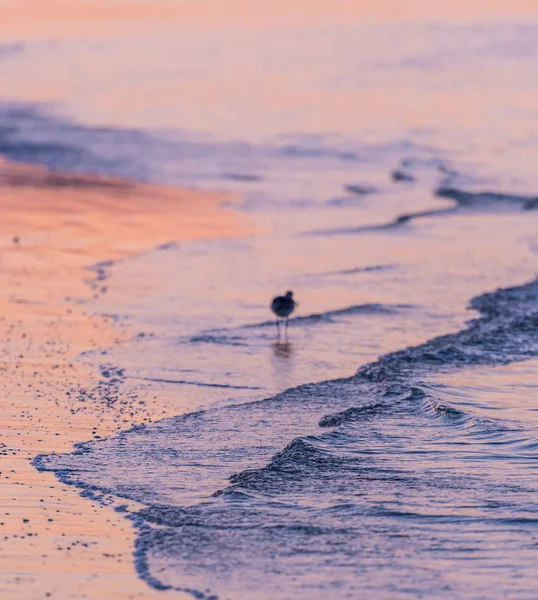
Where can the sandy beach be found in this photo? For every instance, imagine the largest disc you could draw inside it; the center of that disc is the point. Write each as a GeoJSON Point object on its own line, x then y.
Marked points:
{"type": "Point", "coordinates": [53, 228]}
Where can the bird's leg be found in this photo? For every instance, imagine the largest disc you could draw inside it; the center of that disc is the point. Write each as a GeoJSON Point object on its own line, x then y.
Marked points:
{"type": "Point", "coordinates": [278, 327]}
{"type": "Point", "coordinates": [287, 324]}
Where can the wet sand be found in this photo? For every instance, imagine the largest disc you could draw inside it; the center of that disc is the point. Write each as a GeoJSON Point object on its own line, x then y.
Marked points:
{"type": "Point", "coordinates": [53, 227]}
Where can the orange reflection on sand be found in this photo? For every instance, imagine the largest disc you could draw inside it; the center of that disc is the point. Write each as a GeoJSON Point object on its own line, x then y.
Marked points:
{"type": "Point", "coordinates": [100, 217]}
{"type": "Point", "coordinates": [53, 226]}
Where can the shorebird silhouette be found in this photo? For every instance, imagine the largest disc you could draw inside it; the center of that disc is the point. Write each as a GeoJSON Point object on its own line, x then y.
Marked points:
{"type": "Point", "coordinates": [283, 306]}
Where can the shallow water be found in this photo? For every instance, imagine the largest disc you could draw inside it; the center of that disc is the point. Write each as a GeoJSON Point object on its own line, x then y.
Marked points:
{"type": "Point", "coordinates": [383, 475]}
{"type": "Point", "coordinates": [394, 482]}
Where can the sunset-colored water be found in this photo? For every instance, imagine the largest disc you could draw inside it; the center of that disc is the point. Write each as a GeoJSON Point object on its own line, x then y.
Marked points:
{"type": "Point", "coordinates": [378, 159]}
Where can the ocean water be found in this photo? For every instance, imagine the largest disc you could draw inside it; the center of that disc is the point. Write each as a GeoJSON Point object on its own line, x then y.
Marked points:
{"type": "Point", "coordinates": [386, 447]}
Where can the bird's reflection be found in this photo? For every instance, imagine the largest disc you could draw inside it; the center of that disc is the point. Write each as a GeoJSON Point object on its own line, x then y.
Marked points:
{"type": "Point", "coordinates": [282, 350]}
{"type": "Point", "coordinates": [282, 360]}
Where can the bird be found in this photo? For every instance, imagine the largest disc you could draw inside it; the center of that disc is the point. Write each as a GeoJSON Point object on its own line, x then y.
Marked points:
{"type": "Point", "coordinates": [283, 306]}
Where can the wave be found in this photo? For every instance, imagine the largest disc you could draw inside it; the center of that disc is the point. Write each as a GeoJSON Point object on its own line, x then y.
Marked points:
{"type": "Point", "coordinates": [222, 335]}
{"type": "Point", "coordinates": [367, 411]}
{"type": "Point", "coordinates": [261, 491]}
{"type": "Point", "coordinates": [360, 190]}
{"type": "Point", "coordinates": [399, 175]}
{"type": "Point", "coordinates": [399, 221]}
{"type": "Point", "coordinates": [353, 271]}
{"type": "Point", "coordinates": [463, 202]}
{"type": "Point", "coordinates": [355, 193]}
{"type": "Point", "coordinates": [505, 333]}
{"type": "Point", "coordinates": [330, 315]}
{"type": "Point", "coordinates": [198, 383]}
{"type": "Point", "coordinates": [424, 404]}
{"type": "Point", "coordinates": [213, 338]}
{"type": "Point", "coordinates": [482, 200]}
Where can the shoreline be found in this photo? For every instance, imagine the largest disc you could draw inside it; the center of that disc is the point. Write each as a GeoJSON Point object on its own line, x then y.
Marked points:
{"type": "Point", "coordinates": [55, 226]}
